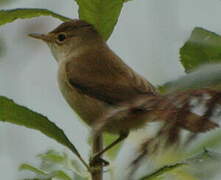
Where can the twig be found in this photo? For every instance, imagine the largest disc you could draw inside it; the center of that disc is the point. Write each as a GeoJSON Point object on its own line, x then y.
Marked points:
{"type": "Point", "coordinates": [162, 171]}
{"type": "Point", "coordinates": [97, 172]}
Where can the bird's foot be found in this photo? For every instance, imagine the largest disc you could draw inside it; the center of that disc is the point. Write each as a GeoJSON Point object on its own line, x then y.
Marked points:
{"type": "Point", "coordinates": [97, 161]}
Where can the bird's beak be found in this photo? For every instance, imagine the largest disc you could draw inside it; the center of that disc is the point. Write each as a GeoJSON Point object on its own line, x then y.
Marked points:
{"type": "Point", "coordinates": [43, 37]}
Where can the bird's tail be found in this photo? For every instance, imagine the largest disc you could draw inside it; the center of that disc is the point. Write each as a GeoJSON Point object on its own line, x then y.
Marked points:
{"type": "Point", "coordinates": [194, 110]}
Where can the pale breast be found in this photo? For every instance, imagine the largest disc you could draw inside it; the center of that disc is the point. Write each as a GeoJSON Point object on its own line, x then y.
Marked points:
{"type": "Point", "coordinates": [88, 108]}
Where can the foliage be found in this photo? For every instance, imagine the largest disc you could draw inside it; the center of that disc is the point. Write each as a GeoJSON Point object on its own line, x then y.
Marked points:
{"type": "Point", "coordinates": [208, 76]}
{"type": "Point", "coordinates": [56, 165]}
{"type": "Point", "coordinates": [16, 114]}
{"type": "Point", "coordinates": [108, 139]}
{"type": "Point", "coordinates": [102, 14]}
{"type": "Point", "coordinates": [156, 175]}
{"type": "Point", "coordinates": [7, 16]}
{"type": "Point", "coordinates": [200, 53]}
{"type": "Point", "coordinates": [203, 47]}
{"type": "Point", "coordinates": [20, 115]}
{"type": "Point", "coordinates": [178, 169]}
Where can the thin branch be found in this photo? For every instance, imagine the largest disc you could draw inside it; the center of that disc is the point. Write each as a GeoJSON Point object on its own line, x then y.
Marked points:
{"type": "Point", "coordinates": [97, 172]}
{"type": "Point", "coordinates": [162, 171]}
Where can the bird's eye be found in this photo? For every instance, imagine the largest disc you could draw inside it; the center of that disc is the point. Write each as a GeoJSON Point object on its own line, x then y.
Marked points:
{"type": "Point", "coordinates": [61, 37]}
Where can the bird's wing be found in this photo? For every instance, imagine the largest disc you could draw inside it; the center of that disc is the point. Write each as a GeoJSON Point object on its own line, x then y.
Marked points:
{"type": "Point", "coordinates": [108, 80]}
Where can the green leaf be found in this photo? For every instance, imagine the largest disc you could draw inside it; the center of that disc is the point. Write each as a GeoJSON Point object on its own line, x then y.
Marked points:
{"type": "Point", "coordinates": [52, 156]}
{"type": "Point", "coordinates": [108, 139]}
{"type": "Point", "coordinates": [160, 172]}
{"type": "Point", "coordinates": [32, 169]}
{"type": "Point", "coordinates": [198, 159]}
{"type": "Point", "coordinates": [207, 161]}
{"type": "Point", "coordinates": [59, 174]}
{"type": "Point", "coordinates": [103, 14]}
{"type": "Point", "coordinates": [20, 115]}
{"type": "Point", "coordinates": [7, 16]}
{"type": "Point", "coordinates": [202, 47]}
{"type": "Point", "coordinates": [208, 76]}
{"type": "Point", "coordinates": [206, 155]}
{"type": "Point", "coordinates": [210, 141]}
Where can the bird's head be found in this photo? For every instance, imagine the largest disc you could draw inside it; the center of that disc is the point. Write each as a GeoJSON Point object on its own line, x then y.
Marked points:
{"type": "Point", "coordinates": [69, 38]}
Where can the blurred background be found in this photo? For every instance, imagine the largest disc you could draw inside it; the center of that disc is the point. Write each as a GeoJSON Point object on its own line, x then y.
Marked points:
{"type": "Point", "coordinates": [148, 37]}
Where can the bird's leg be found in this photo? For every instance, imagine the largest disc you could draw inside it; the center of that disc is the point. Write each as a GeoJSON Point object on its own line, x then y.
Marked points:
{"type": "Point", "coordinates": [97, 157]}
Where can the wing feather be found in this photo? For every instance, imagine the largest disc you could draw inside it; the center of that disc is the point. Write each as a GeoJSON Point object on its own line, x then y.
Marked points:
{"type": "Point", "coordinates": [104, 76]}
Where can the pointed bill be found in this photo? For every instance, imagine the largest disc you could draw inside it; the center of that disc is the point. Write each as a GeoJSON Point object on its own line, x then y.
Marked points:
{"type": "Point", "coordinates": [40, 36]}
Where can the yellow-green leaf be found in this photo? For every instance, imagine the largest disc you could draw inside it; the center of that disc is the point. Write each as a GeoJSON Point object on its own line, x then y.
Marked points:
{"type": "Point", "coordinates": [53, 157]}
{"type": "Point", "coordinates": [103, 14]}
{"type": "Point", "coordinates": [210, 141]}
{"type": "Point", "coordinates": [33, 169]}
{"type": "Point", "coordinates": [164, 170]}
{"type": "Point", "coordinates": [59, 174]}
{"type": "Point", "coordinates": [10, 15]}
{"type": "Point", "coordinates": [208, 76]}
{"type": "Point", "coordinates": [203, 47]}
{"type": "Point", "coordinates": [20, 115]}
{"type": "Point", "coordinates": [108, 139]}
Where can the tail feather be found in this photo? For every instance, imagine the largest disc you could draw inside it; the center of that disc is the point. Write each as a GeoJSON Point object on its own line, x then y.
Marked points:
{"type": "Point", "coordinates": [191, 110]}
{"type": "Point", "coordinates": [195, 108]}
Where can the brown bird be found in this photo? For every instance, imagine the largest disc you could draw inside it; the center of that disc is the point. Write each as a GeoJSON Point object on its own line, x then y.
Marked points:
{"type": "Point", "coordinates": [95, 81]}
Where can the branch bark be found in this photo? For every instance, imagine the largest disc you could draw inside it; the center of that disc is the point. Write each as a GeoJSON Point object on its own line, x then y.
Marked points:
{"type": "Point", "coordinates": [97, 173]}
